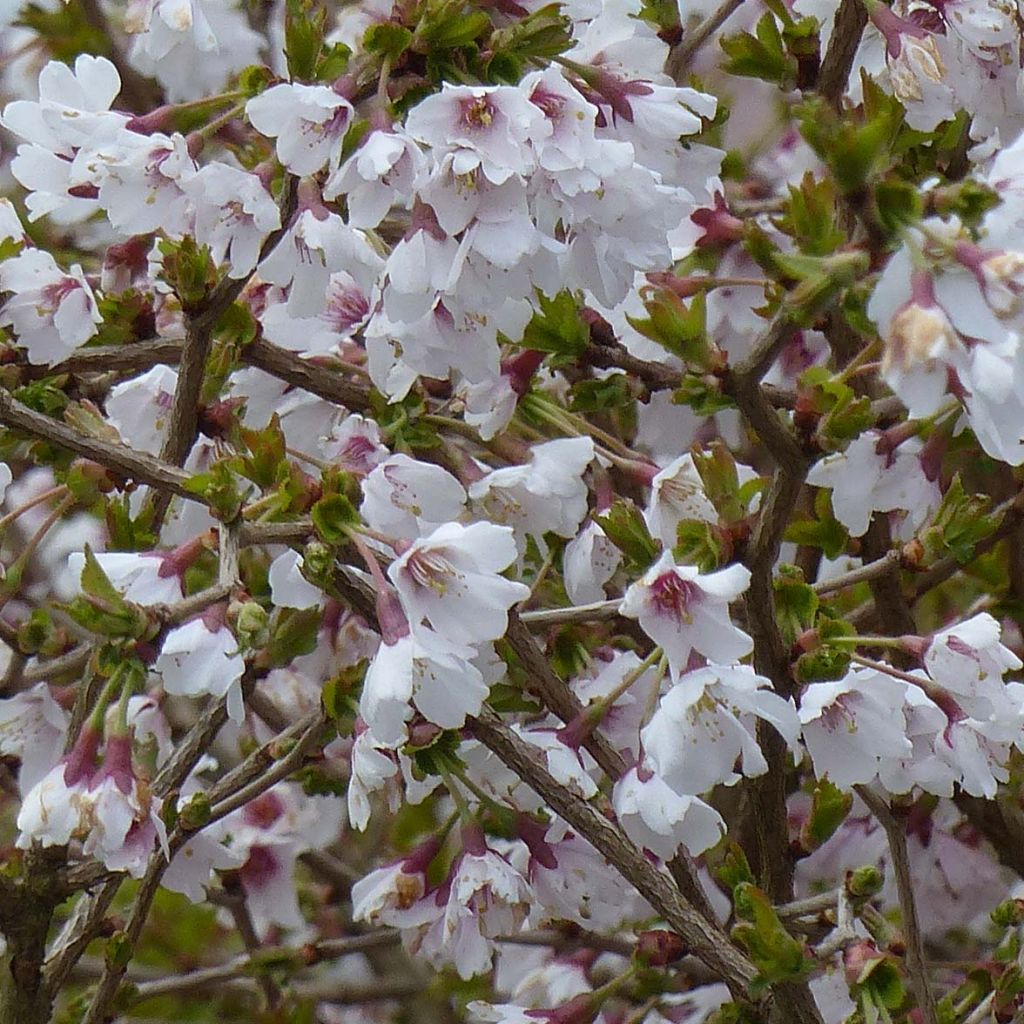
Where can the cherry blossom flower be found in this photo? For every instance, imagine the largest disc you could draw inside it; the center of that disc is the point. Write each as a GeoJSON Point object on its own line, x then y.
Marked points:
{"type": "Point", "coordinates": [51, 811]}
{"type": "Point", "coordinates": [865, 479]}
{"type": "Point", "coordinates": [52, 312]}
{"type": "Point", "coordinates": [486, 127]}
{"type": "Point", "coordinates": [677, 493]}
{"type": "Point", "coordinates": [380, 172]}
{"type": "Point", "coordinates": [704, 725]}
{"type": "Point", "coordinates": [657, 818]}
{"type": "Point", "coordinates": [234, 213]}
{"type": "Point", "coordinates": [417, 668]}
{"type": "Point", "coordinates": [288, 587]}
{"type": "Point", "coordinates": [139, 408]}
{"type": "Point", "coordinates": [450, 578]}
{"type": "Point", "coordinates": [486, 897]}
{"type": "Point", "coordinates": [308, 121]}
{"type": "Point", "coordinates": [851, 726]}
{"type": "Point", "coordinates": [32, 729]}
{"type": "Point", "coordinates": [202, 657]}
{"type": "Point", "coordinates": [684, 611]}
{"type": "Point", "coordinates": [589, 561]}
{"type": "Point", "coordinates": [547, 494]}
{"type": "Point", "coordinates": [405, 498]}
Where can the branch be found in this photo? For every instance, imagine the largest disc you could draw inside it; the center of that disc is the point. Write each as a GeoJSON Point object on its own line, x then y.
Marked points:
{"type": "Point", "coordinates": [183, 425]}
{"type": "Point", "coordinates": [120, 459]}
{"type": "Point", "coordinates": [680, 58]}
{"type": "Point", "coordinates": [248, 964]}
{"type": "Point", "coordinates": [707, 941]}
{"type": "Point", "coordinates": [847, 29]}
{"type": "Point", "coordinates": [896, 834]}
{"type": "Point", "coordinates": [233, 791]}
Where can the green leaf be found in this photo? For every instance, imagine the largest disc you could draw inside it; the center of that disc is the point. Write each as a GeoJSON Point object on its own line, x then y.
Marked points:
{"type": "Point", "coordinates": [827, 661]}
{"type": "Point", "coordinates": [678, 328]}
{"type": "Point", "coordinates": [961, 522]}
{"type": "Point", "coordinates": [811, 217]}
{"type": "Point", "coordinates": [796, 603]}
{"type": "Point", "coordinates": [624, 526]}
{"type": "Point", "coordinates": [266, 453]}
{"type": "Point", "coordinates": [303, 38]}
{"type": "Point", "coordinates": [449, 25]}
{"type": "Point", "coordinates": [761, 55]}
{"type": "Point", "coordinates": [188, 270]}
{"type": "Point", "coordinates": [558, 327]}
{"type": "Point", "coordinates": [387, 39]}
{"type": "Point", "coordinates": [824, 531]}
{"type": "Point", "coordinates": [333, 516]}
{"type": "Point", "coordinates": [703, 394]}
{"type": "Point", "coordinates": [698, 543]}
{"type": "Point", "coordinates": [293, 632]}
{"type": "Point", "coordinates": [777, 955]}
{"type": "Point", "coordinates": [829, 808]}
{"type": "Point", "coordinates": [95, 582]}
{"type": "Point", "coordinates": [601, 395]}
{"type": "Point", "coordinates": [219, 488]}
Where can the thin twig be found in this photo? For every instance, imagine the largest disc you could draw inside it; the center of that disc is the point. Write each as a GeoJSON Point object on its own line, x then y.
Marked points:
{"type": "Point", "coordinates": [896, 834]}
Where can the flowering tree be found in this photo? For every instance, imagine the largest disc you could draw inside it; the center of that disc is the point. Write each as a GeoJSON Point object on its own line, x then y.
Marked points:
{"type": "Point", "coordinates": [512, 512]}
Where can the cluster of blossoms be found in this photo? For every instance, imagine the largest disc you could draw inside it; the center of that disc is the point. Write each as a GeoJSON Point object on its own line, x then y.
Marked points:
{"type": "Point", "coordinates": [531, 490]}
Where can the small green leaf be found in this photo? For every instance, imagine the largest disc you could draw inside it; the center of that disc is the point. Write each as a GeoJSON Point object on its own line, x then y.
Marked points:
{"type": "Point", "coordinates": [387, 39]}
{"type": "Point", "coordinates": [558, 327]}
{"type": "Point", "coordinates": [796, 603]}
{"type": "Point", "coordinates": [303, 38]}
{"type": "Point", "coordinates": [829, 808]}
{"type": "Point", "coordinates": [624, 526]}
{"type": "Point", "coordinates": [333, 516]}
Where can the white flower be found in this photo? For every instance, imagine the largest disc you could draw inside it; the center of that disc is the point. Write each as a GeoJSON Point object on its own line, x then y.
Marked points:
{"type": "Point", "coordinates": [487, 898]}
{"type": "Point", "coordinates": [425, 670]}
{"type": "Point", "coordinates": [547, 494]}
{"type": "Point", "coordinates": [485, 127]}
{"type": "Point", "coordinates": [405, 498]}
{"type": "Point", "coordinates": [53, 313]}
{"type": "Point", "coordinates": [969, 661]}
{"type": "Point", "coordinates": [308, 121]}
{"type": "Point", "coordinates": [202, 657]}
{"type": "Point", "coordinates": [32, 728]}
{"type": "Point", "coordinates": [450, 579]}
{"type": "Point", "coordinates": [865, 481]}
{"type": "Point", "coordinates": [677, 493]}
{"type": "Point", "coordinates": [141, 184]}
{"type": "Point", "coordinates": [589, 561]}
{"type": "Point", "coordinates": [140, 408]}
{"type": "Point", "coordinates": [854, 725]}
{"type": "Point", "coordinates": [233, 215]}
{"type": "Point", "coordinates": [683, 611]}
{"type": "Point", "coordinates": [381, 172]}
{"type": "Point", "coordinates": [317, 245]}
{"type": "Point", "coordinates": [288, 587]}
{"type": "Point", "coordinates": [704, 725]}
{"type": "Point", "coordinates": [657, 818]}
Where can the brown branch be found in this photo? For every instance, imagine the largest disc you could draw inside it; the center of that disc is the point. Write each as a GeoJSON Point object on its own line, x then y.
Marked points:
{"type": "Point", "coordinates": [183, 425]}
{"type": "Point", "coordinates": [707, 941]}
{"type": "Point", "coordinates": [680, 58]}
{"type": "Point", "coordinates": [847, 29]}
{"type": "Point", "coordinates": [245, 965]}
{"type": "Point", "coordinates": [896, 833]}
{"type": "Point", "coordinates": [124, 461]}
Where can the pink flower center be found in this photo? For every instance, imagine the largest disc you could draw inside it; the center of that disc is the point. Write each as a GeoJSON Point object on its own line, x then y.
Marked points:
{"type": "Point", "coordinates": [264, 810]}
{"type": "Point", "coordinates": [673, 595]}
